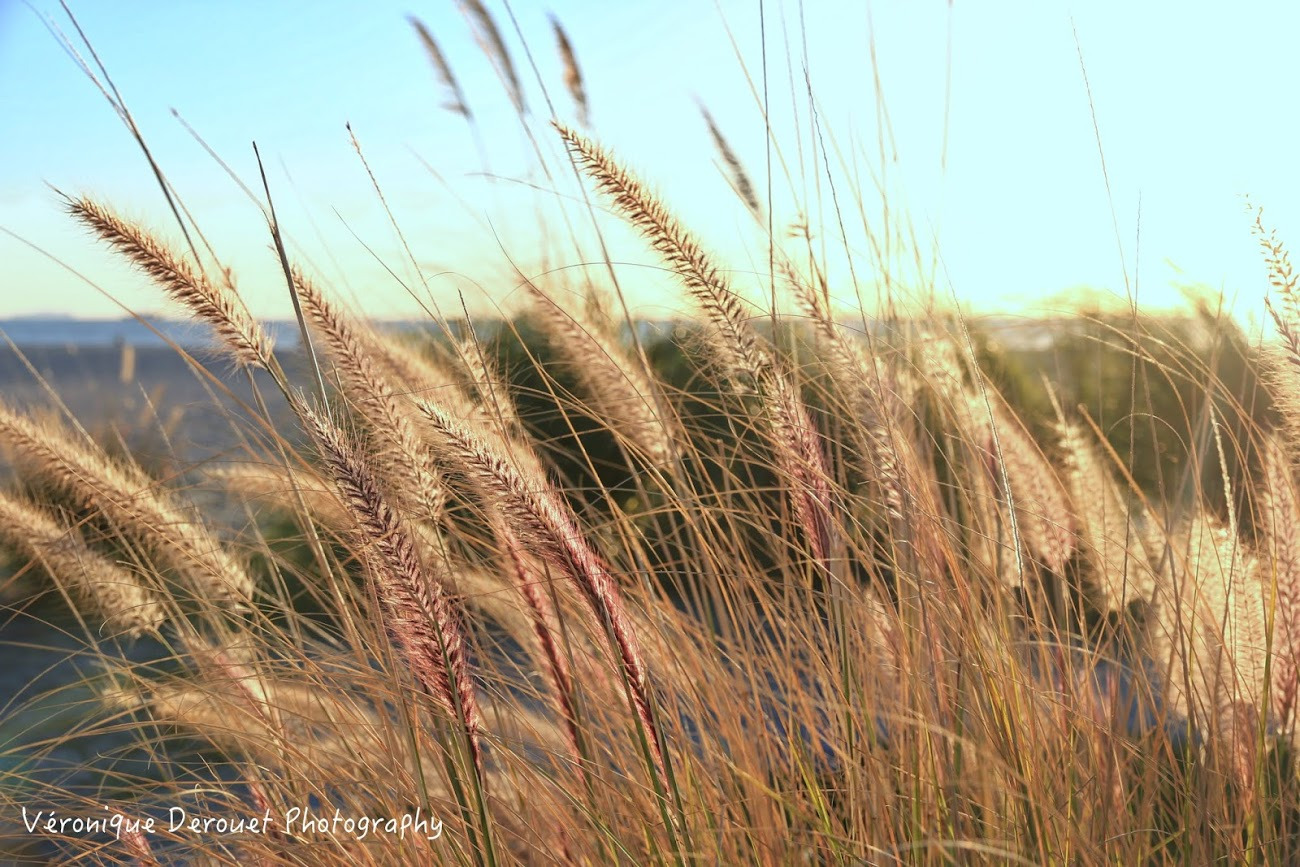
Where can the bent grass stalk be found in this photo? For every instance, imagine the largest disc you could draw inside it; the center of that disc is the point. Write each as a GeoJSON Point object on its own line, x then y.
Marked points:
{"type": "Point", "coordinates": [416, 611]}
{"type": "Point", "coordinates": [136, 504]}
{"type": "Point", "coordinates": [419, 616]}
{"type": "Point", "coordinates": [218, 306]}
{"type": "Point", "coordinates": [402, 463]}
{"type": "Point", "coordinates": [622, 395]}
{"type": "Point", "coordinates": [539, 516]}
{"type": "Point", "coordinates": [100, 584]}
{"type": "Point", "coordinates": [745, 361]}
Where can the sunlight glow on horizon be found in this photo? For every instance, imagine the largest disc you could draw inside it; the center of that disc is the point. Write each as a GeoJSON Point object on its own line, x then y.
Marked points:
{"type": "Point", "coordinates": [986, 130]}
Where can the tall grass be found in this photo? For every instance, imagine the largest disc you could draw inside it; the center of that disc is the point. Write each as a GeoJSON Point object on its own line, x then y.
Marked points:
{"type": "Point", "coordinates": [831, 596]}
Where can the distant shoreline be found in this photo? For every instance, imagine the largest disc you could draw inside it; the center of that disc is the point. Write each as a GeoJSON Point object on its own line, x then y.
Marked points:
{"type": "Point", "coordinates": [69, 332]}
{"type": "Point", "coordinates": [107, 333]}
{"type": "Point", "coordinates": [72, 333]}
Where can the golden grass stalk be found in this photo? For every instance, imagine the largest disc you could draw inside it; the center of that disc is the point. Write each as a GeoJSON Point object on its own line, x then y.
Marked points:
{"type": "Point", "coordinates": [273, 721]}
{"type": "Point", "coordinates": [137, 846]}
{"type": "Point", "coordinates": [277, 484]}
{"type": "Point", "coordinates": [736, 174]}
{"type": "Point", "coordinates": [882, 636]}
{"type": "Point", "coordinates": [218, 306]}
{"type": "Point", "coordinates": [297, 705]}
{"type": "Point", "coordinates": [1281, 276]}
{"type": "Point", "coordinates": [545, 629]}
{"type": "Point", "coordinates": [1044, 518]}
{"type": "Point", "coordinates": [489, 39]}
{"type": "Point", "coordinates": [441, 68]}
{"type": "Point", "coordinates": [1210, 635]}
{"type": "Point", "coordinates": [1233, 584]}
{"type": "Point", "coordinates": [133, 502]}
{"type": "Point", "coordinates": [743, 358]}
{"type": "Point", "coordinates": [982, 517]}
{"type": "Point", "coordinates": [537, 515]}
{"type": "Point", "coordinates": [416, 611]}
{"type": "Point", "coordinates": [1284, 309]}
{"type": "Point", "coordinates": [799, 452]}
{"type": "Point", "coordinates": [477, 588]}
{"type": "Point", "coordinates": [320, 734]}
{"type": "Point", "coordinates": [494, 415]}
{"type": "Point", "coordinates": [1279, 522]}
{"type": "Point", "coordinates": [412, 374]}
{"type": "Point", "coordinates": [284, 717]}
{"type": "Point", "coordinates": [1120, 565]}
{"type": "Point", "coordinates": [885, 454]}
{"type": "Point", "coordinates": [1042, 505]}
{"type": "Point", "coordinates": [494, 411]}
{"type": "Point", "coordinates": [90, 578]}
{"type": "Point", "coordinates": [622, 396]}
{"type": "Point", "coordinates": [403, 462]}
{"type": "Point", "coordinates": [738, 349]}
{"type": "Point", "coordinates": [572, 72]}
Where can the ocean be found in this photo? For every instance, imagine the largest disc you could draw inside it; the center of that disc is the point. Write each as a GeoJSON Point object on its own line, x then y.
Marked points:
{"type": "Point", "coordinates": [156, 332]}
{"type": "Point", "coordinates": [100, 333]}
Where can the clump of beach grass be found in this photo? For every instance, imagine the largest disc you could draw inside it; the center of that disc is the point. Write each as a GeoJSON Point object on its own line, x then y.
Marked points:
{"type": "Point", "coordinates": [829, 596]}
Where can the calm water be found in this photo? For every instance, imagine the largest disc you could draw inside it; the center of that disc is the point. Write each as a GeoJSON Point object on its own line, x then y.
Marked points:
{"type": "Point", "coordinates": [87, 333]}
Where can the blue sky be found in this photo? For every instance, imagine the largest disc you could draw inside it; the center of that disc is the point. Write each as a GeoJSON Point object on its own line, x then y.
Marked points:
{"type": "Point", "coordinates": [990, 146]}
